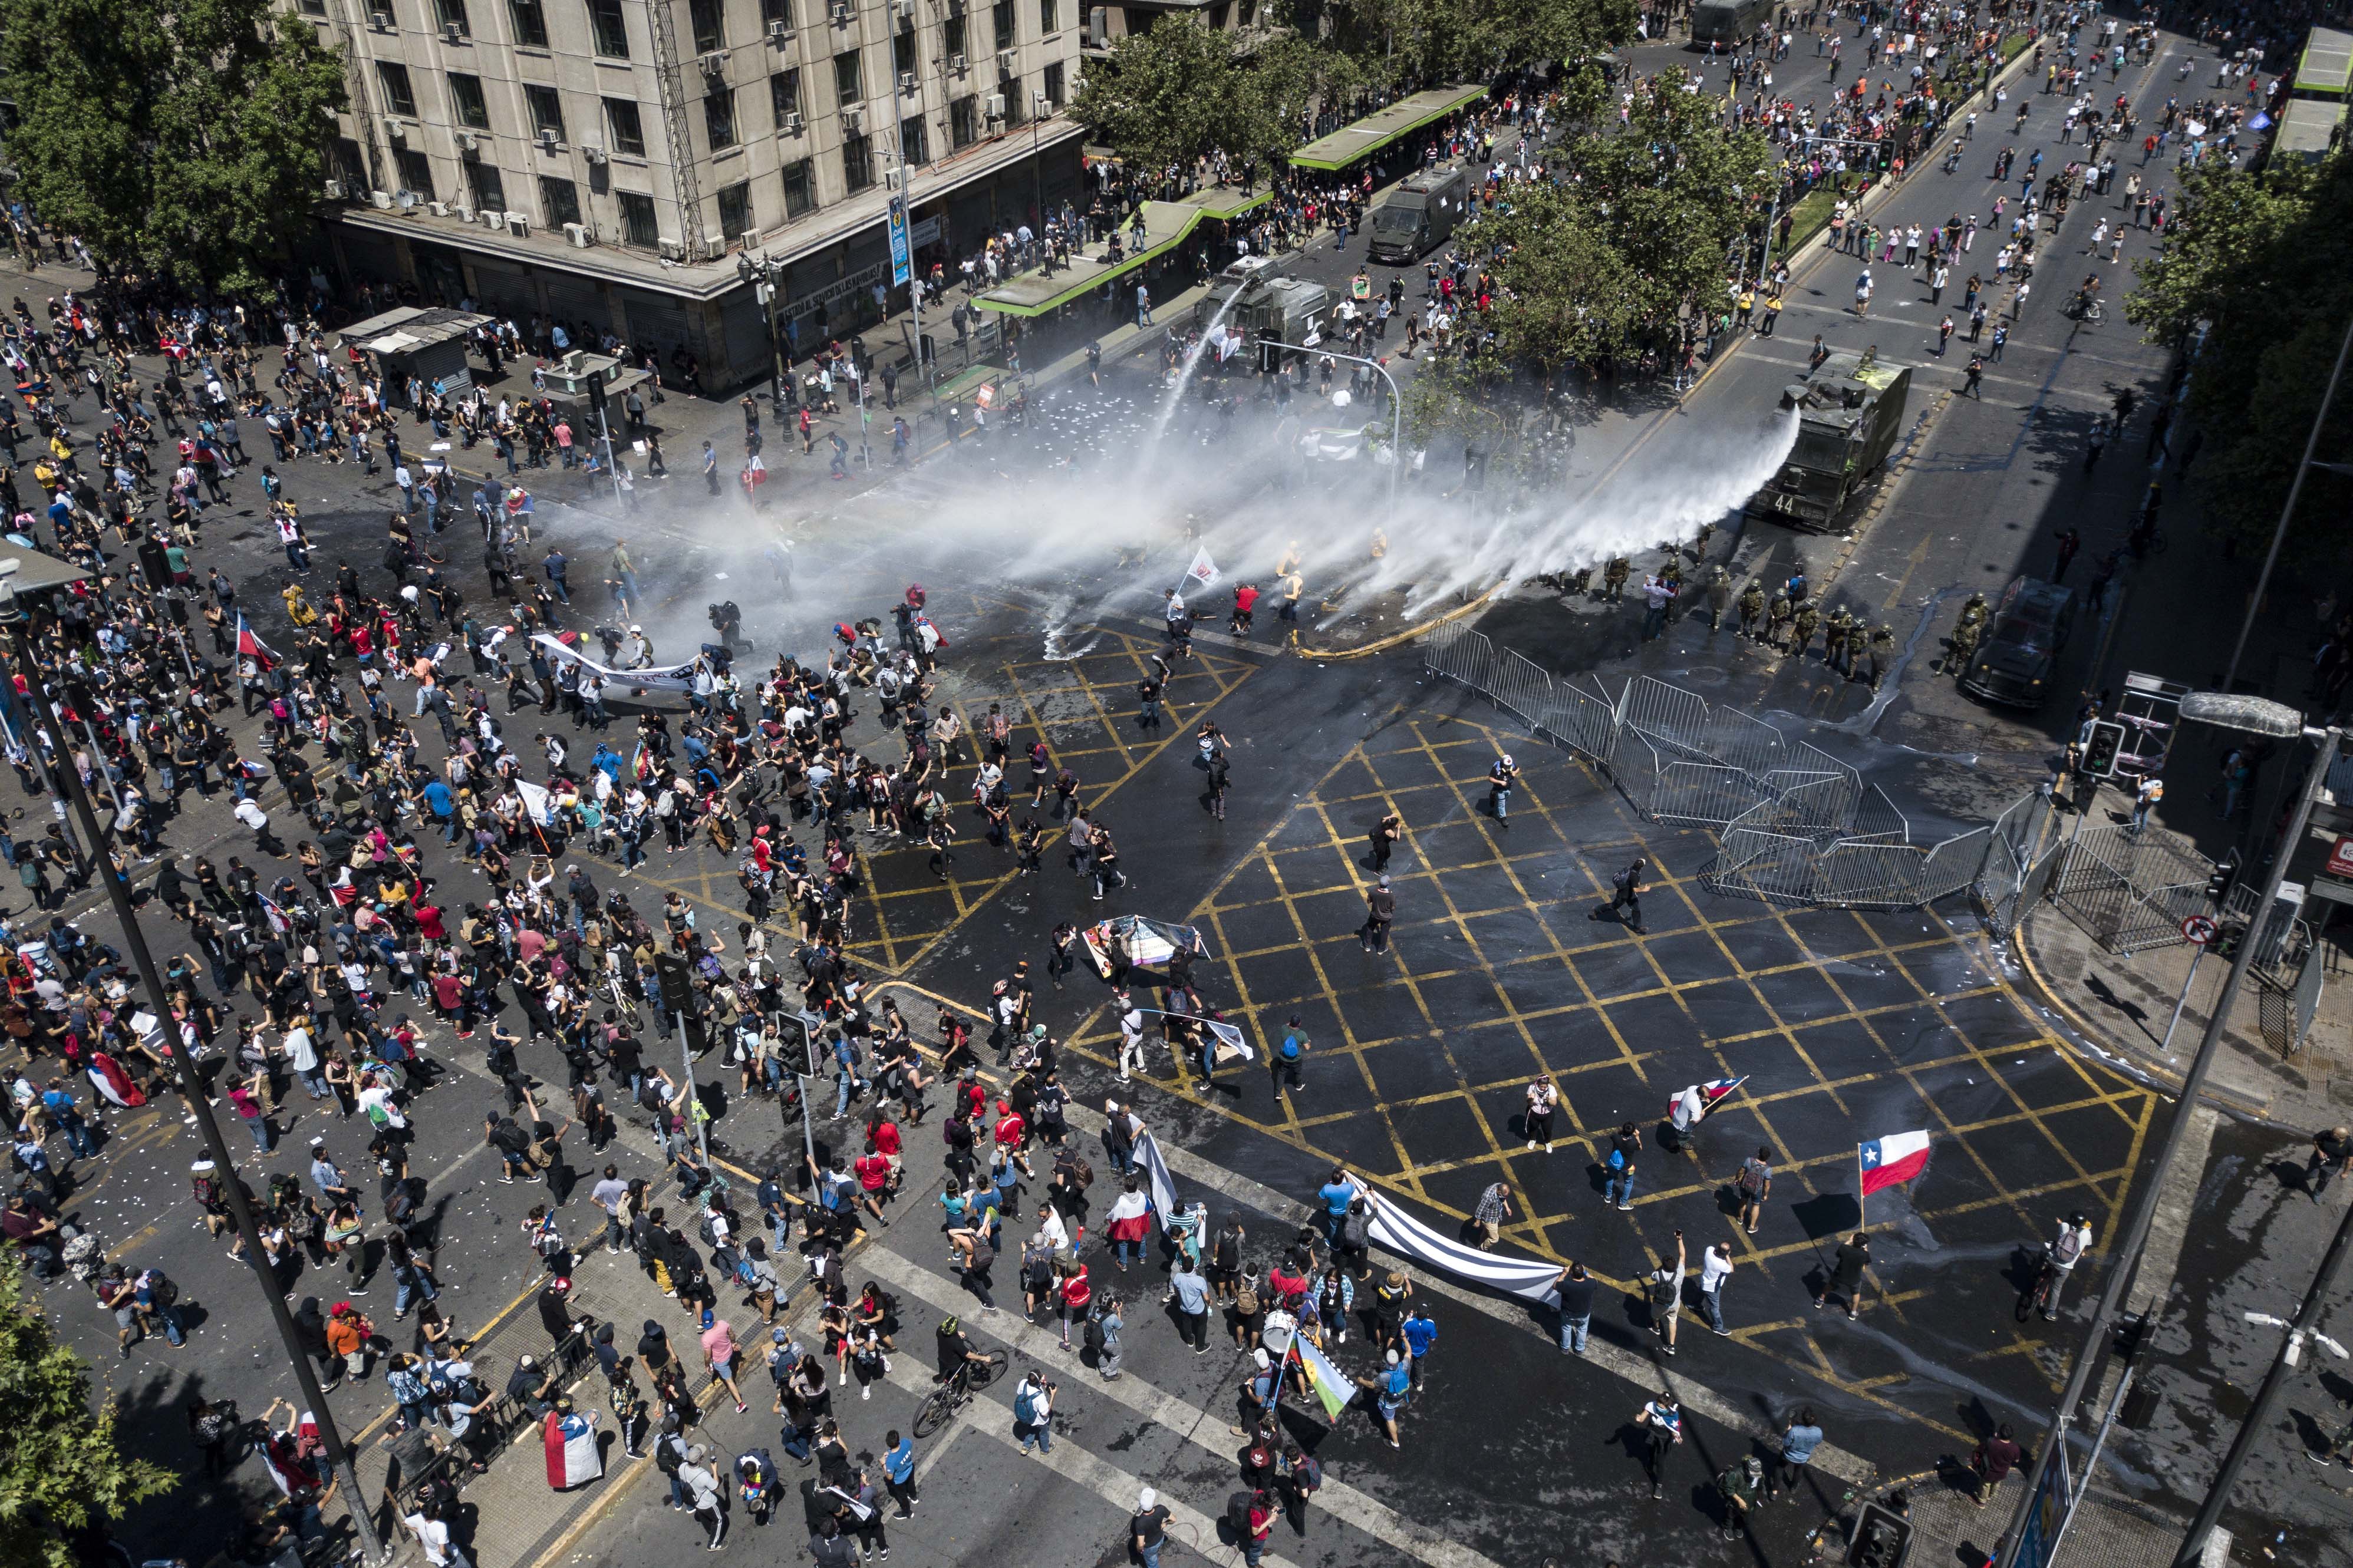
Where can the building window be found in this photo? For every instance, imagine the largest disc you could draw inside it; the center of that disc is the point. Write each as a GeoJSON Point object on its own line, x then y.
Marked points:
{"type": "Point", "coordinates": [710, 25]}
{"type": "Point", "coordinates": [628, 131]}
{"type": "Point", "coordinates": [453, 14]}
{"type": "Point", "coordinates": [776, 11]}
{"type": "Point", "coordinates": [466, 105]}
{"type": "Point", "coordinates": [1017, 107]}
{"type": "Point", "coordinates": [914, 141]}
{"type": "Point", "coordinates": [785, 96]}
{"type": "Point", "coordinates": [1054, 85]}
{"type": "Point", "coordinates": [735, 211]}
{"type": "Point", "coordinates": [1001, 24]}
{"type": "Point", "coordinates": [560, 199]}
{"type": "Point", "coordinates": [952, 35]}
{"type": "Point", "coordinates": [1049, 23]}
{"type": "Point", "coordinates": [856, 163]}
{"type": "Point", "coordinates": [546, 107]}
{"type": "Point", "coordinates": [719, 116]}
{"type": "Point", "coordinates": [489, 191]}
{"type": "Point", "coordinates": [530, 22]}
{"type": "Point", "coordinates": [800, 190]}
{"type": "Point", "coordinates": [612, 29]}
{"type": "Point", "coordinates": [902, 51]}
{"type": "Point", "coordinates": [400, 98]}
{"type": "Point", "coordinates": [416, 173]}
{"type": "Point", "coordinates": [963, 122]}
{"type": "Point", "coordinates": [637, 226]}
{"type": "Point", "coordinates": [846, 89]}
{"type": "Point", "coordinates": [314, 7]}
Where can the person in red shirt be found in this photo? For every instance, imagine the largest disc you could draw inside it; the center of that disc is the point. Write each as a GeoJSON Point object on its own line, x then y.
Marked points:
{"type": "Point", "coordinates": [1245, 603]}
{"type": "Point", "coordinates": [1261, 1525]}
{"type": "Point", "coordinates": [882, 1138]}
{"type": "Point", "coordinates": [873, 1173]}
{"type": "Point", "coordinates": [1013, 1136]}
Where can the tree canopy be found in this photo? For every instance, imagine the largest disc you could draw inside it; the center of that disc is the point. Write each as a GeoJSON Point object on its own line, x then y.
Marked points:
{"type": "Point", "coordinates": [1392, 42]}
{"type": "Point", "coordinates": [2264, 262]}
{"type": "Point", "coordinates": [173, 140]}
{"type": "Point", "coordinates": [59, 1467]}
{"type": "Point", "coordinates": [1182, 88]}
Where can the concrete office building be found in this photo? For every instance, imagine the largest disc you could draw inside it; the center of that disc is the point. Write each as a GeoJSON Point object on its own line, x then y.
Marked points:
{"type": "Point", "coordinates": [604, 163]}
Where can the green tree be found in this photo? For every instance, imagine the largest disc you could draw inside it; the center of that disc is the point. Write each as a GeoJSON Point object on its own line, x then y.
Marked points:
{"type": "Point", "coordinates": [173, 140]}
{"type": "Point", "coordinates": [1181, 89]}
{"type": "Point", "coordinates": [1397, 43]}
{"type": "Point", "coordinates": [59, 1467]}
{"type": "Point", "coordinates": [2258, 270]}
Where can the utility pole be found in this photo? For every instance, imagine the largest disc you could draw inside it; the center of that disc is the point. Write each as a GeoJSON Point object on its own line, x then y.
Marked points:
{"type": "Point", "coordinates": [192, 1089]}
{"type": "Point", "coordinates": [2258, 717]}
{"type": "Point", "coordinates": [2258, 1421]}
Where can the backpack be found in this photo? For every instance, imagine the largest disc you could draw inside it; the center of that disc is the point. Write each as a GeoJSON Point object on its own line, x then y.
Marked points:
{"type": "Point", "coordinates": [1246, 1301]}
{"type": "Point", "coordinates": [709, 1231]}
{"type": "Point", "coordinates": [1094, 1334]}
{"type": "Point", "coordinates": [666, 1456]}
{"type": "Point", "coordinates": [1355, 1234]}
{"type": "Point", "coordinates": [1025, 1407]}
{"type": "Point", "coordinates": [1084, 1174]}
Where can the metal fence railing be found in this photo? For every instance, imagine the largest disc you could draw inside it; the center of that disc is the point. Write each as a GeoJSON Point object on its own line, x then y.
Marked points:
{"type": "Point", "coordinates": [1795, 824]}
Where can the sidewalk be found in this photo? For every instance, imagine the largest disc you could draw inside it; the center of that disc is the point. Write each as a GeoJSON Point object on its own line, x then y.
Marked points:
{"type": "Point", "coordinates": [1950, 1532]}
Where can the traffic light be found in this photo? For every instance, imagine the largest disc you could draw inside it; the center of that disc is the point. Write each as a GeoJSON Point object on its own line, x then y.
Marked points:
{"type": "Point", "coordinates": [2132, 1332]}
{"type": "Point", "coordinates": [2100, 753]}
{"type": "Point", "coordinates": [2219, 880]}
{"type": "Point", "coordinates": [596, 390]}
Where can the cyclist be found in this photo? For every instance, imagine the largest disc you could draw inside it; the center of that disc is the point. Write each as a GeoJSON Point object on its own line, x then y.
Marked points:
{"type": "Point", "coordinates": [954, 1349]}
{"type": "Point", "coordinates": [1499, 780]}
{"type": "Point", "coordinates": [2060, 1256]}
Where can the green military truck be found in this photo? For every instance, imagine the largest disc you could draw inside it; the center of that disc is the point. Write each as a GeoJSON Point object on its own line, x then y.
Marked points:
{"type": "Point", "coordinates": [1849, 416]}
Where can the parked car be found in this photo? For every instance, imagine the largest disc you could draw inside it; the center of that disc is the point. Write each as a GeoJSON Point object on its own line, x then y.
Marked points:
{"type": "Point", "coordinates": [2018, 657]}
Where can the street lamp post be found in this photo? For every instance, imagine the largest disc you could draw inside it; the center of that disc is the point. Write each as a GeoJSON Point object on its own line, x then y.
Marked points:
{"type": "Point", "coordinates": [1397, 404]}
{"type": "Point", "coordinates": [191, 1088]}
{"type": "Point", "coordinates": [764, 275]}
{"type": "Point", "coordinates": [2257, 717]}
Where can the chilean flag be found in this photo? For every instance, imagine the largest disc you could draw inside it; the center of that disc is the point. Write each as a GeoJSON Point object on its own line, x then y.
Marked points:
{"type": "Point", "coordinates": [1892, 1160]}
{"type": "Point", "coordinates": [572, 1455]}
{"type": "Point", "coordinates": [249, 646]}
{"type": "Point", "coordinates": [1711, 1093]}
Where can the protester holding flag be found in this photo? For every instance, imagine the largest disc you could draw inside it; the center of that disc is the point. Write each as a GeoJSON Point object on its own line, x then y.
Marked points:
{"type": "Point", "coordinates": [1845, 1277]}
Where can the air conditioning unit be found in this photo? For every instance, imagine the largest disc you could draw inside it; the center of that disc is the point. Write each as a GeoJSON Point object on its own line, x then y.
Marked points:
{"type": "Point", "coordinates": [408, 200]}
{"type": "Point", "coordinates": [519, 224]}
{"type": "Point", "coordinates": [714, 63]}
{"type": "Point", "coordinates": [546, 140]}
{"type": "Point", "coordinates": [452, 34]}
{"type": "Point", "coordinates": [714, 248]}
{"type": "Point", "coordinates": [956, 64]}
{"type": "Point", "coordinates": [1099, 28]}
{"type": "Point", "coordinates": [380, 200]}
{"type": "Point", "coordinates": [494, 220]}
{"type": "Point", "coordinates": [853, 118]}
{"type": "Point", "coordinates": [997, 106]}
{"type": "Point", "coordinates": [594, 153]}
{"type": "Point", "coordinates": [791, 127]}
{"type": "Point", "coordinates": [439, 209]}
{"type": "Point", "coordinates": [335, 190]}
{"type": "Point", "coordinates": [780, 32]}
{"type": "Point", "coordinates": [396, 129]}
{"type": "Point", "coordinates": [461, 211]}
{"type": "Point", "coordinates": [840, 14]}
{"type": "Point", "coordinates": [904, 10]}
{"type": "Point", "coordinates": [1007, 62]}
{"type": "Point", "coordinates": [672, 250]}
{"type": "Point", "coordinates": [380, 20]}
{"type": "Point", "coordinates": [906, 82]}
{"type": "Point", "coordinates": [469, 145]}
{"type": "Point", "coordinates": [577, 236]}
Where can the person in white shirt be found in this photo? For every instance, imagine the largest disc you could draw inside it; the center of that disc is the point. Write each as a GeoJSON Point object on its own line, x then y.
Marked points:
{"type": "Point", "coordinates": [1715, 1268]}
{"type": "Point", "coordinates": [433, 1535]}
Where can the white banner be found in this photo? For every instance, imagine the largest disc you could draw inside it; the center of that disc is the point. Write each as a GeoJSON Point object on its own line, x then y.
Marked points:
{"type": "Point", "coordinates": [661, 677]}
{"type": "Point", "coordinates": [1164, 1187]}
{"type": "Point", "coordinates": [1401, 1233]}
{"type": "Point", "coordinates": [1203, 571]}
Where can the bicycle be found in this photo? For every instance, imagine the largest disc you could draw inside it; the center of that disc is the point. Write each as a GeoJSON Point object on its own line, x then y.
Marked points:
{"type": "Point", "coordinates": [2042, 1292]}
{"type": "Point", "coordinates": [939, 1407]}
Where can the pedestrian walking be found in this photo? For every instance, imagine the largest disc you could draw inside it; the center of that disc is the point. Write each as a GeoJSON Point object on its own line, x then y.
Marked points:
{"type": "Point", "coordinates": [1992, 1460]}
{"type": "Point", "coordinates": [1618, 1188]}
{"type": "Point", "coordinates": [1799, 1438]}
{"type": "Point", "coordinates": [1715, 1269]}
{"type": "Point", "coordinates": [1666, 1293]}
{"type": "Point", "coordinates": [1380, 913]}
{"type": "Point", "coordinates": [1573, 1291]}
{"type": "Point", "coordinates": [1033, 1409]}
{"type": "Point", "coordinates": [1660, 1422]}
{"type": "Point", "coordinates": [1754, 1185]}
{"type": "Point", "coordinates": [2331, 1156]}
{"type": "Point", "coordinates": [1626, 891]}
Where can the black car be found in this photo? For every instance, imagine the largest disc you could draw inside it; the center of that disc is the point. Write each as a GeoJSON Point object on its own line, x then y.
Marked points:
{"type": "Point", "coordinates": [2018, 656]}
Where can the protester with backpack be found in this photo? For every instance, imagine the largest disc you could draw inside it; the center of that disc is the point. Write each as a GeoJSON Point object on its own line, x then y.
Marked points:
{"type": "Point", "coordinates": [1033, 1412]}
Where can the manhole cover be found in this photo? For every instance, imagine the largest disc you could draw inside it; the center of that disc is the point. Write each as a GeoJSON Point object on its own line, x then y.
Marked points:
{"type": "Point", "coordinates": [1349, 634]}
